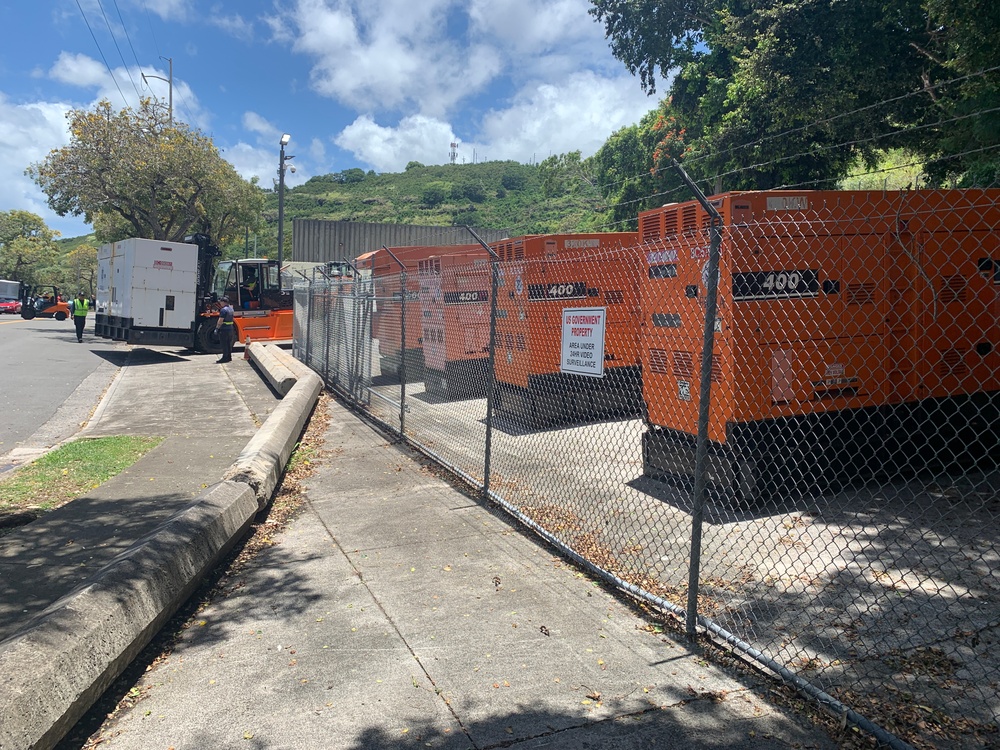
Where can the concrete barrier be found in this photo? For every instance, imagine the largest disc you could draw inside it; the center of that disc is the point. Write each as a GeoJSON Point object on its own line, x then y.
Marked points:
{"type": "Point", "coordinates": [263, 460]}
{"type": "Point", "coordinates": [51, 673]}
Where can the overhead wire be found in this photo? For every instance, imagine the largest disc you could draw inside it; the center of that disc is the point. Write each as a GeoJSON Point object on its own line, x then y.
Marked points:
{"type": "Point", "coordinates": [824, 121]}
{"type": "Point", "coordinates": [121, 20]}
{"type": "Point", "coordinates": [101, 51]}
{"type": "Point", "coordinates": [115, 40]}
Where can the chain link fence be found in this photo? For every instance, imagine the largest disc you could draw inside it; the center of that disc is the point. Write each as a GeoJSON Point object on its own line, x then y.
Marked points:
{"type": "Point", "coordinates": [811, 476]}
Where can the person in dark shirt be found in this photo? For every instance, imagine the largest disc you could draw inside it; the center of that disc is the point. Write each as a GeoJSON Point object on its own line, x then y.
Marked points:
{"type": "Point", "coordinates": [225, 328]}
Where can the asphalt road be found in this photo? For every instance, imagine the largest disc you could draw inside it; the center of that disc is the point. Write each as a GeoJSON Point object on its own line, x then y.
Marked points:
{"type": "Point", "coordinates": [49, 383]}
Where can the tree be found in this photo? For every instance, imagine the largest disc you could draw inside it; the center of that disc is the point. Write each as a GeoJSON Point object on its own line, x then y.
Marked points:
{"type": "Point", "coordinates": [780, 92]}
{"type": "Point", "coordinates": [633, 168]}
{"type": "Point", "coordinates": [80, 269]}
{"type": "Point", "coordinates": [565, 174]}
{"type": "Point", "coordinates": [133, 173]}
{"type": "Point", "coordinates": [27, 246]}
{"type": "Point", "coordinates": [435, 193]}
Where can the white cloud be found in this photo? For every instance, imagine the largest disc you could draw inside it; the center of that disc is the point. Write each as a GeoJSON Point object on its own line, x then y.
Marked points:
{"type": "Point", "coordinates": [257, 124]}
{"type": "Point", "coordinates": [27, 133]}
{"type": "Point", "coordinates": [391, 55]}
{"type": "Point", "coordinates": [415, 138]}
{"type": "Point", "coordinates": [125, 86]}
{"type": "Point", "coordinates": [235, 25]}
{"type": "Point", "coordinates": [578, 113]}
{"type": "Point", "coordinates": [168, 10]}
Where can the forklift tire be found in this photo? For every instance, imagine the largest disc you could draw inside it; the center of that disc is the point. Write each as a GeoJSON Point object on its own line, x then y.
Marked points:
{"type": "Point", "coordinates": [207, 343]}
{"type": "Point", "coordinates": [27, 312]}
{"type": "Point", "coordinates": [60, 316]}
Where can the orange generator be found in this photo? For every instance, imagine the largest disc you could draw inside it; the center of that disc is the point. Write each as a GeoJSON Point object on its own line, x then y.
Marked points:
{"type": "Point", "coordinates": [541, 382]}
{"type": "Point", "coordinates": [455, 307]}
{"type": "Point", "coordinates": [390, 323]}
{"type": "Point", "coordinates": [855, 336]}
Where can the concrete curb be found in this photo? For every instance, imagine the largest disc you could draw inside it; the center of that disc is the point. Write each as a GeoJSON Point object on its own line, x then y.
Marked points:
{"type": "Point", "coordinates": [275, 371]}
{"type": "Point", "coordinates": [53, 672]}
{"type": "Point", "coordinates": [263, 460]}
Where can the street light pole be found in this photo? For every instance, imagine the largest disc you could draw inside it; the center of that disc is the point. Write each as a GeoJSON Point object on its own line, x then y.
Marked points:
{"type": "Point", "coordinates": [170, 84]}
{"type": "Point", "coordinates": [285, 138]}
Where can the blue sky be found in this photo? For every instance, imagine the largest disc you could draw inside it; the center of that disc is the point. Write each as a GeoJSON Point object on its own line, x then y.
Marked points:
{"type": "Point", "coordinates": [357, 83]}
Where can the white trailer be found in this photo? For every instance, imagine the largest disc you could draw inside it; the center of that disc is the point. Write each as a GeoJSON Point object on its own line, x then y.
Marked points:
{"type": "Point", "coordinates": [9, 290]}
{"type": "Point", "coordinates": [147, 292]}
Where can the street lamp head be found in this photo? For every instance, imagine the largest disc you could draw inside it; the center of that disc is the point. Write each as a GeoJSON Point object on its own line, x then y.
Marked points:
{"type": "Point", "coordinates": [285, 139]}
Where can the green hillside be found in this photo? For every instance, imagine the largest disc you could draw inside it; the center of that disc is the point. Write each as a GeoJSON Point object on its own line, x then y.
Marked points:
{"type": "Point", "coordinates": [524, 198]}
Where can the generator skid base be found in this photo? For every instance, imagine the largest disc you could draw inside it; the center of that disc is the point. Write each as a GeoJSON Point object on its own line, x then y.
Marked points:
{"type": "Point", "coordinates": [557, 400]}
{"type": "Point", "coordinates": [123, 329]}
{"type": "Point", "coordinates": [812, 455]}
{"type": "Point", "coordinates": [391, 365]}
{"type": "Point", "coordinates": [459, 380]}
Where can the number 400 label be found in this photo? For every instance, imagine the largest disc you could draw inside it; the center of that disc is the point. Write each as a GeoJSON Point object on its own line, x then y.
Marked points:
{"type": "Point", "coordinates": [765, 284]}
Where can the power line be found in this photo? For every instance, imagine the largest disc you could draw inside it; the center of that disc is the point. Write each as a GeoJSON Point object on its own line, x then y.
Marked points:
{"type": "Point", "coordinates": [826, 121]}
{"type": "Point", "coordinates": [122, 21]}
{"type": "Point", "coordinates": [151, 32]}
{"type": "Point", "coordinates": [115, 40]}
{"type": "Point", "coordinates": [695, 159]}
{"type": "Point", "coordinates": [110, 71]}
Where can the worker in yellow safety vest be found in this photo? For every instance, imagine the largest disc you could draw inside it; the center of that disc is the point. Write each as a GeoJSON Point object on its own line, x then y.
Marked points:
{"type": "Point", "coordinates": [80, 308]}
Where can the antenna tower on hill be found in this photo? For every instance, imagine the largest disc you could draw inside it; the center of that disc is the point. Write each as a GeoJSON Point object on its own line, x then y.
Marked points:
{"type": "Point", "coordinates": [453, 154]}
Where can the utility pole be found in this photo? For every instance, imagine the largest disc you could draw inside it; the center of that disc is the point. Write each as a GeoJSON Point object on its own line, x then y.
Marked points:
{"type": "Point", "coordinates": [170, 86]}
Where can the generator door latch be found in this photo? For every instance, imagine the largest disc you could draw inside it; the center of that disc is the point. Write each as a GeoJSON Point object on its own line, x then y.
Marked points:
{"type": "Point", "coordinates": [691, 291]}
{"type": "Point", "coordinates": [831, 286]}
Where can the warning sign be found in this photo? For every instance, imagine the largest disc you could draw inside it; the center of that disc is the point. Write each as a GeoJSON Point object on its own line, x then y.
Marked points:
{"type": "Point", "coordinates": [583, 341]}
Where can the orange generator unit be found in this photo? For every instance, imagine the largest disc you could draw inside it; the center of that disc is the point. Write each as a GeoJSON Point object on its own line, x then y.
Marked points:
{"type": "Point", "coordinates": [855, 336]}
{"type": "Point", "coordinates": [556, 366]}
{"type": "Point", "coordinates": [395, 319]}
{"type": "Point", "coordinates": [455, 307]}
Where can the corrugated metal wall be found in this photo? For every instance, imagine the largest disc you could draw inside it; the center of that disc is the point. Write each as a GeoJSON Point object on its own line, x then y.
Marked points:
{"type": "Point", "coordinates": [322, 241]}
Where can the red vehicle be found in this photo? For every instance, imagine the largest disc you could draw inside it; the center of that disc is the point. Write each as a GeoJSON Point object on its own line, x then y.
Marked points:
{"type": "Point", "coordinates": [11, 306]}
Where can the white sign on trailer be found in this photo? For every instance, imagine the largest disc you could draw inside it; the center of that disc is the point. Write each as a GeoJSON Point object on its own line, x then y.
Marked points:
{"type": "Point", "coordinates": [583, 341]}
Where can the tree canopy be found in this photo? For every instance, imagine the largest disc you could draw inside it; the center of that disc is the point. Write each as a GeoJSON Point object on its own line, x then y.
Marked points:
{"type": "Point", "coordinates": [27, 247]}
{"type": "Point", "coordinates": [784, 92]}
{"type": "Point", "coordinates": [134, 173]}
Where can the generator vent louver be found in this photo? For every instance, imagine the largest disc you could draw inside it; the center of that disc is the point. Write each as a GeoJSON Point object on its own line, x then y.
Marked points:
{"type": "Point", "coordinates": [954, 289]}
{"type": "Point", "coordinates": [649, 227]}
{"type": "Point", "coordinates": [953, 363]}
{"type": "Point", "coordinates": [716, 374]}
{"type": "Point", "coordinates": [862, 294]}
{"type": "Point", "coordinates": [689, 218]}
{"type": "Point", "coordinates": [683, 364]}
{"type": "Point", "coordinates": [659, 361]}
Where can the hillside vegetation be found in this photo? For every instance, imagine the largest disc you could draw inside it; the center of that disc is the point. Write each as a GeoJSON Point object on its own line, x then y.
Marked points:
{"type": "Point", "coordinates": [554, 196]}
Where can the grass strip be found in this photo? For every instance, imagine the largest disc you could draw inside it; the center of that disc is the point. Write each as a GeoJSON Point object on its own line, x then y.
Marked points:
{"type": "Point", "coordinates": [71, 470]}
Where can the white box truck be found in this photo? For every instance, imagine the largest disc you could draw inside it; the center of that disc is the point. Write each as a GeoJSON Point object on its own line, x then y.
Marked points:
{"type": "Point", "coordinates": [9, 290]}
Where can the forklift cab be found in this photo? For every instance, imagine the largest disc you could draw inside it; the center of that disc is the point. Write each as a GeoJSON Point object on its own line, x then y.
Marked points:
{"type": "Point", "coordinates": [250, 284]}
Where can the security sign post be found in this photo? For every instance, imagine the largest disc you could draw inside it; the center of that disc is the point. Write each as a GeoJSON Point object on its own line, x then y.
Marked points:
{"type": "Point", "coordinates": [583, 341]}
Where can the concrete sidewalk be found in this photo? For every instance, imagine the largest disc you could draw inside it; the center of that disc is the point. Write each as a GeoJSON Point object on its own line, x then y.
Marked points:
{"type": "Point", "coordinates": [84, 589]}
{"type": "Point", "coordinates": [205, 412]}
{"type": "Point", "coordinates": [398, 612]}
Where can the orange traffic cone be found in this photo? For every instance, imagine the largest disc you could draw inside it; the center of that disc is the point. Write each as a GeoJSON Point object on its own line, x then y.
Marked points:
{"type": "Point", "coordinates": [246, 349]}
